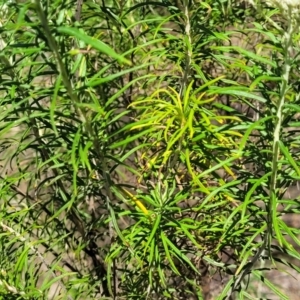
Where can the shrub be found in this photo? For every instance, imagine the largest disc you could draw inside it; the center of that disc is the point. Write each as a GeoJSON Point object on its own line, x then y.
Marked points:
{"type": "Point", "coordinates": [147, 148]}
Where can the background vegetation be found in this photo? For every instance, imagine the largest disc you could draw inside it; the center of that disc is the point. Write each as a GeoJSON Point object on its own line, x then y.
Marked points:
{"type": "Point", "coordinates": [147, 148]}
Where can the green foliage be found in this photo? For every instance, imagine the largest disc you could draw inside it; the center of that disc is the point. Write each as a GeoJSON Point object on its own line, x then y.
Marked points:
{"type": "Point", "coordinates": [146, 147]}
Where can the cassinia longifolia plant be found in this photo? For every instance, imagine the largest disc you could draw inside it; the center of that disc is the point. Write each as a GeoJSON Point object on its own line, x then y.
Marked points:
{"type": "Point", "coordinates": [146, 148]}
